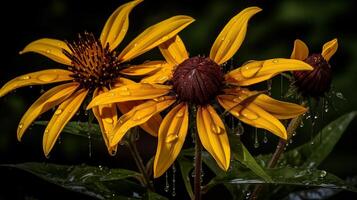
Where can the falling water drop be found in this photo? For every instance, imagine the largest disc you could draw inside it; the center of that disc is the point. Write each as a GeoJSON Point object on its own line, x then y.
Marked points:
{"type": "Point", "coordinates": [265, 139]}
{"type": "Point", "coordinates": [323, 173]}
{"type": "Point", "coordinates": [301, 124]}
{"type": "Point", "coordinates": [59, 140]}
{"type": "Point", "coordinates": [340, 95]}
{"type": "Point", "coordinates": [326, 107]}
{"type": "Point", "coordinates": [256, 141]}
{"type": "Point", "coordinates": [173, 180]}
{"type": "Point", "coordinates": [89, 145]}
{"type": "Point", "coordinates": [269, 86]}
{"type": "Point", "coordinates": [240, 129]}
{"type": "Point", "coordinates": [167, 186]}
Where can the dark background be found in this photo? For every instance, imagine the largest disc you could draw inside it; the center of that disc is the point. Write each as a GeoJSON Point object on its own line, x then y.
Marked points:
{"type": "Point", "coordinates": [270, 34]}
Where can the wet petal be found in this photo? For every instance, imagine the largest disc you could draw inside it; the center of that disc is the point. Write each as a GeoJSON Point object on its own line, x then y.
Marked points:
{"type": "Point", "coordinates": [117, 25]}
{"type": "Point", "coordinates": [279, 109]}
{"type": "Point", "coordinates": [121, 82]}
{"type": "Point", "coordinates": [151, 126]}
{"type": "Point", "coordinates": [213, 135]}
{"type": "Point", "coordinates": [252, 115]}
{"type": "Point", "coordinates": [135, 91]}
{"type": "Point", "coordinates": [329, 49]}
{"type": "Point", "coordinates": [36, 78]}
{"type": "Point", "coordinates": [154, 36]}
{"type": "Point", "coordinates": [50, 48]}
{"type": "Point", "coordinates": [62, 115]}
{"type": "Point", "coordinates": [106, 116]}
{"type": "Point", "coordinates": [143, 69]}
{"type": "Point", "coordinates": [231, 37]}
{"type": "Point", "coordinates": [48, 100]}
{"type": "Point", "coordinates": [258, 71]}
{"type": "Point", "coordinates": [139, 115]}
{"type": "Point", "coordinates": [163, 75]}
{"type": "Point", "coordinates": [301, 51]}
{"type": "Point", "coordinates": [174, 50]}
{"type": "Point", "coordinates": [172, 134]}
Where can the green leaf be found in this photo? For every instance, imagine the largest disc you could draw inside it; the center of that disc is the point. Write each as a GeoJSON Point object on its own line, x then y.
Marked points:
{"type": "Point", "coordinates": [98, 182]}
{"type": "Point", "coordinates": [241, 153]}
{"type": "Point", "coordinates": [286, 176]}
{"type": "Point", "coordinates": [186, 167]}
{"type": "Point", "coordinates": [154, 196]}
{"type": "Point", "coordinates": [83, 129]}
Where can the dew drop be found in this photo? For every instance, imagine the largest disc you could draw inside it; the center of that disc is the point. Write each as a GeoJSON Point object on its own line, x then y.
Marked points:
{"type": "Point", "coordinates": [58, 111]}
{"type": "Point", "coordinates": [21, 125]}
{"type": "Point", "coordinates": [240, 129]}
{"type": "Point", "coordinates": [46, 131]}
{"type": "Point", "coordinates": [167, 185]}
{"type": "Point", "coordinates": [323, 173]}
{"type": "Point", "coordinates": [124, 93]}
{"type": "Point", "coordinates": [180, 114]}
{"type": "Point", "coordinates": [256, 140]}
{"type": "Point", "coordinates": [275, 61]}
{"type": "Point", "coordinates": [216, 129]}
{"type": "Point", "coordinates": [249, 114]}
{"type": "Point", "coordinates": [265, 139]}
{"type": "Point", "coordinates": [89, 145]}
{"type": "Point", "coordinates": [109, 120]}
{"type": "Point", "coordinates": [26, 77]}
{"type": "Point", "coordinates": [247, 71]}
{"type": "Point", "coordinates": [48, 50]}
{"type": "Point", "coordinates": [173, 180]}
{"type": "Point", "coordinates": [47, 77]}
{"type": "Point", "coordinates": [172, 137]}
{"type": "Point", "coordinates": [301, 124]}
{"type": "Point", "coordinates": [339, 95]}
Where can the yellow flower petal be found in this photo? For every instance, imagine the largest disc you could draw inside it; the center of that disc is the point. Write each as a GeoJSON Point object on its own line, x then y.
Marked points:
{"type": "Point", "coordinates": [154, 36]}
{"type": "Point", "coordinates": [143, 69]}
{"type": "Point", "coordinates": [139, 115]}
{"type": "Point", "coordinates": [48, 100]}
{"type": "Point", "coordinates": [50, 48]}
{"type": "Point", "coordinates": [135, 91]}
{"type": "Point", "coordinates": [121, 82]}
{"type": "Point", "coordinates": [301, 51]}
{"type": "Point", "coordinates": [279, 109]}
{"type": "Point", "coordinates": [163, 75]}
{"type": "Point", "coordinates": [252, 115]}
{"type": "Point", "coordinates": [258, 71]}
{"type": "Point", "coordinates": [117, 25]}
{"type": "Point", "coordinates": [329, 49]}
{"type": "Point", "coordinates": [231, 37]}
{"type": "Point", "coordinates": [62, 115]}
{"type": "Point", "coordinates": [151, 126]}
{"type": "Point", "coordinates": [213, 135]}
{"type": "Point", "coordinates": [106, 116]}
{"type": "Point", "coordinates": [174, 50]}
{"type": "Point", "coordinates": [172, 134]}
{"type": "Point", "coordinates": [36, 78]}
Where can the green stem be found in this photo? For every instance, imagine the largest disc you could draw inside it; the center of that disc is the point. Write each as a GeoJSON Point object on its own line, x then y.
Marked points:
{"type": "Point", "coordinates": [139, 162]}
{"type": "Point", "coordinates": [198, 167]}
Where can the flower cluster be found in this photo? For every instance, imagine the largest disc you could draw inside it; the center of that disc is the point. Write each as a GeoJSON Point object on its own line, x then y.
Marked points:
{"type": "Point", "coordinates": [183, 86]}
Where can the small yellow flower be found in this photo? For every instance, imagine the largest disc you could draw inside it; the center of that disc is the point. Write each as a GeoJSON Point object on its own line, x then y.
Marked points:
{"type": "Point", "coordinates": [93, 67]}
{"type": "Point", "coordinates": [200, 81]}
{"type": "Point", "coordinates": [317, 82]}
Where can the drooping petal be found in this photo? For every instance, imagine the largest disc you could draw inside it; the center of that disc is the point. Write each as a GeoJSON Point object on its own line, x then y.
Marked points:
{"type": "Point", "coordinates": [252, 115]}
{"type": "Point", "coordinates": [258, 71]}
{"type": "Point", "coordinates": [329, 49]}
{"type": "Point", "coordinates": [117, 25]}
{"type": "Point", "coordinates": [36, 78]}
{"type": "Point", "coordinates": [62, 115]}
{"type": "Point", "coordinates": [154, 36]}
{"type": "Point", "coordinates": [301, 51]}
{"type": "Point", "coordinates": [213, 135]}
{"type": "Point", "coordinates": [139, 115]}
{"type": "Point", "coordinates": [50, 48]}
{"type": "Point", "coordinates": [48, 100]}
{"type": "Point", "coordinates": [231, 37]}
{"type": "Point", "coordinates": [160, 77]}
{"type": "Point", "coordinates": [107, 117]}
{"type": "Point", "coordinates": [135, 91]}
{"type": "Point", "coordinates": [174, 50]}
{"type": "Point", "coordinates": [143, 69]}
{"type": "Point", "coordinates": [279, 109]}
{"type": "Point", "coordinates": [151, 126]}
{"type": "Point", "coordinates": [172, 134]}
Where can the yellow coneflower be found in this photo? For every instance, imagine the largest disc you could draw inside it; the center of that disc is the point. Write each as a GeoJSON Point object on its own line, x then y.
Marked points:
{"type": "Point", "coordinates": [200, 81]}
{"type": "Point", "coordinates": [93, 67]}
{"type": "Point", "coordinates": [317, 82]}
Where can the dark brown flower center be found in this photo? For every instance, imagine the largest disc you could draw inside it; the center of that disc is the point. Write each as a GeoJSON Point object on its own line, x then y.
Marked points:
{"type": "Point", "coordinates": [197, 80]}
{"type": "Point", "coordinates": [92, 65]}
{"type": "Point", "coordinates": [316, 82]}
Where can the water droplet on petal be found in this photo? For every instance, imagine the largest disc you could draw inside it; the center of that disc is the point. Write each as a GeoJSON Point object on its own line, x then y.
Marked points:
{"type": "Point", "coordinates": [59, 111]}
{"type": "Point", "coordinates": [109, 120]}
{"type": "Point", "coordinates": [21, 125]}
{"type": "Point", "coordinates": [248, 71]}
{"type": "Point", "coordinates": [46, 130]}
{"type": "Point", "coordinates": [124, 93]}
{"type": "Point", "coordinates": [26, 77]}
{"type": "Point", "coordinates": [216, 129]}
{"type": "Point", "coordinates": [47, 77]}
{"type": "Point", "coordinates": [275, 61]}
{"type": "Point", "coordinates": [48, 50]}
{"type": "Point", "coordinates": [249, 114]}
{"type": "Point", "coordinates": [180, 114]}
{"type": "Point", "coordinates": [172, 137]}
